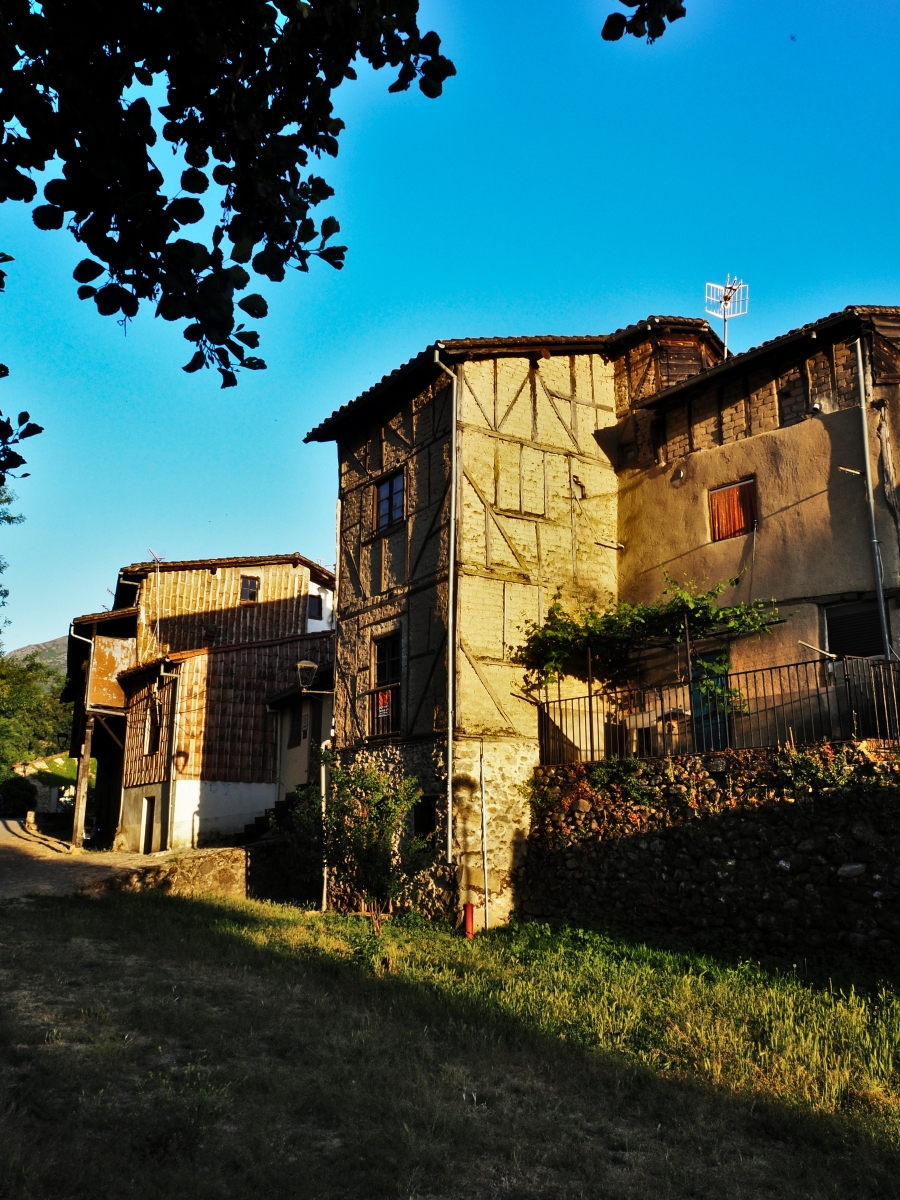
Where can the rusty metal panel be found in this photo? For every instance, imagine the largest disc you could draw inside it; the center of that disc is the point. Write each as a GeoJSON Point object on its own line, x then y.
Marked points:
{"type": "Point", "coordinates": [111, 655]}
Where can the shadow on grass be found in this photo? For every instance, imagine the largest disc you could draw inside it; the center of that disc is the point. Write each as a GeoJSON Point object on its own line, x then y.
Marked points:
{"type": "Point", "coordinates": [330, 1074]}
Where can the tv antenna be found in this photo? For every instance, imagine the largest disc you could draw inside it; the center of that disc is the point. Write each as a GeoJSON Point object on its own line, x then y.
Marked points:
{"type": "Point", "coordinates": [726, 300]}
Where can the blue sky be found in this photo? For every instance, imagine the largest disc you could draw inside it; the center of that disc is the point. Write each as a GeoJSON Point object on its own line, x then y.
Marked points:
{"type": "Point", "coordinates": [560, 185]}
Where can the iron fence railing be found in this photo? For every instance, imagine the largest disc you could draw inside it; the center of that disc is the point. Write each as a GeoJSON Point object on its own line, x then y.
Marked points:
{"type": "Point", "coordinates": [795, 705]}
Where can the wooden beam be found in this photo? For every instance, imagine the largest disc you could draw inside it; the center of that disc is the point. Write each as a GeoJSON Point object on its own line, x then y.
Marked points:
{"type": "Point", "coordinates": [81, 784]}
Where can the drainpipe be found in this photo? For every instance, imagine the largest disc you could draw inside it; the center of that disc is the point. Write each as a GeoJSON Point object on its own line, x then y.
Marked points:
{"type": "Point", "coordinates": [484, 849]}
{"type": "Point", "coordinates": [451, 601]}
{"type": "Point", "coordinates": [173, 734]}
{"type": "Point", "coordinates": [876, 553]}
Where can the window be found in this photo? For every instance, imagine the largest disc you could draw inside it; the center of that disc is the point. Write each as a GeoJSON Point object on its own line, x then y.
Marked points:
{"type": "Point", "coordinates": [299, 727]}
{"type": "Point", "coordinates": [152, 727]}
{"type": "Point", "coordinates": [313, 608]}
{"type": "Point", "coordinates": [386, 695]}
{"type": "Point", "coordinates": [732, 510]}
{"type": "Point", "coordinates": [249, 589]}
{"type": "Point", "coordinates": [424, 815]}
{"type": "Point", "coordinates": [854, 630]}
{"type": "Point", "coordinates": [389, 501]}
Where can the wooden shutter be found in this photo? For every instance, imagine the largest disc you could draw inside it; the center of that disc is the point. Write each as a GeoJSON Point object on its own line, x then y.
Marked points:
{"type": "Point", "coordinates": [732, 510]}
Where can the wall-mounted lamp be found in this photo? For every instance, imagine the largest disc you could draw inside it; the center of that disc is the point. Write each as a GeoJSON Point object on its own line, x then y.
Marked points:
{"type": "Point", "coordinates": [306, 673]}
{"type": "Point", "coordinates": [676, 479]}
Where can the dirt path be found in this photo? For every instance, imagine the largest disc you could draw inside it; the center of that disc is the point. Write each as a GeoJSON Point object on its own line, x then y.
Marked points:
{"type": "Point", "coordinates": [34, 865]}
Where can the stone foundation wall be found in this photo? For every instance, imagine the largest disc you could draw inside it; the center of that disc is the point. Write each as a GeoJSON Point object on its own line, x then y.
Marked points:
{"type": "Point", "coordinates": [762, 852]}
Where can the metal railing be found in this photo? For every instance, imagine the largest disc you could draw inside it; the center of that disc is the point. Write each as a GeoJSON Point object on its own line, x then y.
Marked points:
{"type": "Point", "coordinates": [793, 705]}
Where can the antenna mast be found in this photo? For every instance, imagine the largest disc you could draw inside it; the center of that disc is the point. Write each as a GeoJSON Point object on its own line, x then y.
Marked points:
{"type": "Point", "coordinates": [728, 299]}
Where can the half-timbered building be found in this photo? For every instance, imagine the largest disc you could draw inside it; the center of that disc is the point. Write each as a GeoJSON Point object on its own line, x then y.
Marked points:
{"type": "Point", "coordinates": [189, 696]}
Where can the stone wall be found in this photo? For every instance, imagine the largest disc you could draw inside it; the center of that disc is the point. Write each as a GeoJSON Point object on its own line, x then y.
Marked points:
{"type": "Point", "coordinates": [756, 851]}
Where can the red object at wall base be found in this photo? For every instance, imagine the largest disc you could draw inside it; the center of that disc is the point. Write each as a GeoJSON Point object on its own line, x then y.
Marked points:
{"type": "Point", "coordinates": [469, 910]}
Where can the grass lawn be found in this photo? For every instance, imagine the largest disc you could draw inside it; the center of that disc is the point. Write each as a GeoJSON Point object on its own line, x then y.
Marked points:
{"type": "Point", "coordinates": [154, 1047]}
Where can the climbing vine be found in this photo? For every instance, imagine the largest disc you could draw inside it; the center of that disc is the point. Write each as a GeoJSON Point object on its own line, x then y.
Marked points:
{"type": "Point", "coordinates": [619, 635]}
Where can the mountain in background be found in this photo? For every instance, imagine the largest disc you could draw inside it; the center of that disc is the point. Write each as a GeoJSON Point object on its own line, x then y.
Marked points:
{"type": "Point", "coordinates": [51, 654]}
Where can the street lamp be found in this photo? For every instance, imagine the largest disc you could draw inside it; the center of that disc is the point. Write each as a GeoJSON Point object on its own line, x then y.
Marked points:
{"type": "Point", "coordinates": [306, 672]}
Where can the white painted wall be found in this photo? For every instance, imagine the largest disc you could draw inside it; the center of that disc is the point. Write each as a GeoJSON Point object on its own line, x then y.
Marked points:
{"type": "Point", "coordinates": [327, 622]}
{"type": "Point", "coordinates": [204, 809]}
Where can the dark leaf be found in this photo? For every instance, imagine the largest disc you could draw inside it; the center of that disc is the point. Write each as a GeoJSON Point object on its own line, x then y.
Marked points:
{"type": "Point", "coordinates": [87, 270]}
{"type": "Point", "coordinates": [228, 378]}
{"type": "Point", "coordinates": [142, 75]}
{"type": "Point", "coordinates": [9, 459]}
{"type": "Point", "coordinates": [198, 361]}
{"type": "Point", "coordinates": [222, 356]}
{"type": "Point", "coordinates": [193, 180]}
{"type": "Point", "coordinates": [47, 216]}
{"type": "Point", "coordinates": [129, 304]}
{"type": "Point", "coordinates": [614, 27]}
{"type": "Point", "coordinates": [31, 430]}
{"type": "Point", "coordinates": [109, 299]}
{"type": "Point", "coordinates": [194, 333]}
{"type": "Point", "coordinates": [23, 417]}
{"type": "Point", "coordinates": [5, 258]}
{"type": "Point", "coordinates": [185, 210]}
{"type": "Point", "coordinates": [254, 305]}
{"type": "Point", "coordinates": [238, 276]}
{"type": "Point", "coordinates": [222, 175]}
{"type": "Point", "coordinates": [6, 430]}
{"type": "Point", "coordinates": [254, 364]}
{"type": "Point", "coordinates": [330, 226]}
{"type": "Point", "coordinates": [85, 291]}
{"type": "Point", "coordinates": [250, 338]}
{"type": "Point", "coordinates": [4, 371]}
{"type": "Point", "coordinates": [242, 251]}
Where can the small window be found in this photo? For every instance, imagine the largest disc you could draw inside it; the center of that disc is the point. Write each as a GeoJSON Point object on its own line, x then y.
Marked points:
{"type": "Point", "coordinates": [389, 501]}
{"type": "Point", "coordinates": [298, 727]}
{"type": "Point", "coordinates": [854, 630]}
{"type": "Point", "coordinates": [314, 608]}
{"type": "Point", "coordinates": [152, 727]}
{"type": "Point", "coordinates": [249, 589]}
{"type": "Point", "coordinates": [386, 695]}
{"type": "Point", "coordinates": [732, 510]}
{"type": "Point", "coordinates": [424, 815]}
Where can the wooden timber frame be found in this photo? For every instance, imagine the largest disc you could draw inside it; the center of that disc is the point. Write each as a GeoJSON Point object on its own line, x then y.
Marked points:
{"type": "Point", "coordinates": [535, 501]}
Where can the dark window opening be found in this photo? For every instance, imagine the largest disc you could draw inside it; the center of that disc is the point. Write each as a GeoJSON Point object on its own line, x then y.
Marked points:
{"type": "Point", "coordinates": [424, 815]}
{"type": "Point", "coordinates": [389, 501]}
{"type": "Point", "coordinates": [249, 589]}
{"type": "Point", "coordinates": [298, 727]}
{"type": "Point", "coordinates": [732, 510]}
{"type": "Point", "coordinates": [152, 727]}
{"type": "Point", "coordinates": [314, 608]}
{"type": "Point", "coordinates": [854, 630]}
{"type": "Point", "coordinates": [386, 696]}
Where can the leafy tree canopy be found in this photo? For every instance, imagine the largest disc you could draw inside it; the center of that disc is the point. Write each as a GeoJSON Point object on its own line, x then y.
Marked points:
{"type": "Point", "coordinates": [647, 21]}
{"type": "Point", "coordinates": [619, 635]}
{"type": "Point", "coordinates": [33, 720]}
{"type": "Point", "coordinates": [11, 434]}
{"type": "Point", "coordinates": [249, 101]}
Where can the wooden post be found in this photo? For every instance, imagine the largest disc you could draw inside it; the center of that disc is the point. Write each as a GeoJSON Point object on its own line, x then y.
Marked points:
{"type": "Point", "coordinates": [81, 785]}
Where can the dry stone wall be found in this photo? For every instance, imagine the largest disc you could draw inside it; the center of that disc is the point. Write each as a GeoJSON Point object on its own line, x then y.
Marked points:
{"type": "Point", "coordinates": [760, 852]}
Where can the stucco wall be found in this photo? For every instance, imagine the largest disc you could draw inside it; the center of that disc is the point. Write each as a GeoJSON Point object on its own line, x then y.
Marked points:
{"type": "Point", "coordinates": [205, 811]}
{"type": "Point", "coordinates": [813, 539]}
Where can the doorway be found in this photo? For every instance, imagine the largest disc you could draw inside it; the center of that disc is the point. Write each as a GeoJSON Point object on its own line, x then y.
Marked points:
{"type": "Point", "coordinates": [148, 812]}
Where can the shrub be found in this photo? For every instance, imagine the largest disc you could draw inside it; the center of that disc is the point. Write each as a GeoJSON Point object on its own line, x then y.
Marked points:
{"type": "Point", "coordinates": [17, 796]}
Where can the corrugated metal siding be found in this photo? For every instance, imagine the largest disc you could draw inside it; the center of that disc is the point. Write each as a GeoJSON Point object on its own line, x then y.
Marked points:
{"type": "Point", "coordinates": [141, 768]}
{"type": "Point", "coordinates": [187, 610]}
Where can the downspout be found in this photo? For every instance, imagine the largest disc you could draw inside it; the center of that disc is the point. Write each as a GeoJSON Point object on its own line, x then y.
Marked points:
{"type": "Point", "coordinates": [876, 554]}
{"type": "Point", "coordinates": [173, 734]}
{"type": "Point", "coordinates": [451, 602]}
{"type": "Point", "coordinates": [484, 849]}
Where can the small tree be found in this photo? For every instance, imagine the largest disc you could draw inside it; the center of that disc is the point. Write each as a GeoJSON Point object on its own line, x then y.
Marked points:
{"type": "Point", "coordinates": [362, 837]}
